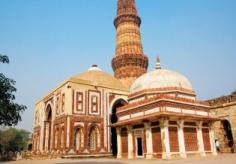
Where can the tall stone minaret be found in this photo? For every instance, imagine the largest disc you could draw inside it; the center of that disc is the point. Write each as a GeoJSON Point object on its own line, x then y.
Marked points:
{"type": "Point", "coordinates": [129, 62]}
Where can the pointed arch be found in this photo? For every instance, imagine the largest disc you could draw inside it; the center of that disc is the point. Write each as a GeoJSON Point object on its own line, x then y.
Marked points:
{"type": "Point", "coordinates": [94, 138]}
{"type": "Point", "coordinates": [79, 138]}
{"type": "Point", "coordinates": [47, 127]}
{"type": "Point", "coordinates": [228, 133]}
{"type": "Point", "coordinates": [113, 119]}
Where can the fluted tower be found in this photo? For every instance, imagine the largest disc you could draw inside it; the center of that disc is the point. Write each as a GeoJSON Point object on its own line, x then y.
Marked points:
{"type": "Point", "coordinates": [129, 62]}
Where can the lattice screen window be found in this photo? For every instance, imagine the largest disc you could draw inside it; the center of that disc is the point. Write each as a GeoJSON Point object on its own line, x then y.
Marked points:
{"type": "Point", "coordinates": [92, 140]}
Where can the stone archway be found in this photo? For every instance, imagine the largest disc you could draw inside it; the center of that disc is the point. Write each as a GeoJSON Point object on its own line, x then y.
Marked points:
{"type": "Point", "coordinates": [79, 139]}
{"type": "Point", "coordinates": [113, 119]}
{"type": "Point", "coordinates": [94, 139]}
{"type": "Point", "coordinates": [47, 128]}
{"type": "Point", "coordinates": [228, 136]}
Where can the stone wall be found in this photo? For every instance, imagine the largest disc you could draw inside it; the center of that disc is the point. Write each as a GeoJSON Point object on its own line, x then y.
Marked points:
{"type": "Point", "coordinates": [225, 108]}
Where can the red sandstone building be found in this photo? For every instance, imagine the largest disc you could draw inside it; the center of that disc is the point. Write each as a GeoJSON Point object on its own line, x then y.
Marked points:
{"type": "Point", "coordinates": [134, 114]}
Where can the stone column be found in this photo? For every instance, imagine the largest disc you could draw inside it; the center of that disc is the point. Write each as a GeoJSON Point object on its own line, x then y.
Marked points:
{"type": "Point", "coordinates": [182, 150]}
{"type": "Point", "coordinates": [119, 148]}
{"type": "Point", "coordinates": [148, 133]}
{"type": "Point", "coordinates": [200, 139]}
{"type": "Point", "coordinates": [70, 134]}
{"type": "Point", "coordinates": [130, 143]}
{"type": "Point", "coordinates": [212, 139]}
{"type": "Point", "coordinates": [165, 139]}
{"type": "Point", "coordinates": [41, 136]}
{"type": "Point", "coordinates": [46, 136]}
{"type": "Point", "coordinates": [68, 131]}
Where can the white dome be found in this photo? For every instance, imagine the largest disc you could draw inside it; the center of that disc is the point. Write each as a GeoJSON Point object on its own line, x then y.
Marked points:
{"type": "Point", "coordinates": [161, 78]}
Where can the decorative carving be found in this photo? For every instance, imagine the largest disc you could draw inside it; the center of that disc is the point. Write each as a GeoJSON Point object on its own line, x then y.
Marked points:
{"type": "Point", "coordinates": [173, 138]}
{"type": "Point", "coordinates": [206, 139]}
{"type": "Point", "coordinates": [160, 100]}
{"type": "Point", "coordinates": [125, 7]}
{"type": "Point", "coordinates": [166, 89]}
{"type": "Point", "coordinates": [190, 139]}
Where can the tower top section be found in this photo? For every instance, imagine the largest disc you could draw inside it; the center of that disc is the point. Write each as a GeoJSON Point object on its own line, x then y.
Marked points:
{"type": "Point", "coordinates": [126, 7]}
{"type": "Point", "coordinates": [129, 61]}
{"type": "Point", "coordinates": [126, 11]}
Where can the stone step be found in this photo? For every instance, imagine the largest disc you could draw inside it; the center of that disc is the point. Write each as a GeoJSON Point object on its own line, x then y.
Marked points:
{"type": "Point", "coordinates": [76, 156]}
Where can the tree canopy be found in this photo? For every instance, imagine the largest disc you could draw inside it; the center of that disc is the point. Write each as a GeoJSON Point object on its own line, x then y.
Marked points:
{"type": "Point", "coordinates": [13, 140]}
{"type": "Point", "coordinates": [9, 110]}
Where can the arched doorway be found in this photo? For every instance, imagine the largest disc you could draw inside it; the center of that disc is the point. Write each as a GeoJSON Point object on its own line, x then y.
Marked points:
{"type": "Point", "coordinates": [114, 119]}
{"type": "Point", "coordinates": [47, 126]}
{"type": "Point", "coordinates": [228, 133]}
{"type": "Point", "coordinates": [79, 139]}
{"type": "Point", "coordinates": [94, 139]}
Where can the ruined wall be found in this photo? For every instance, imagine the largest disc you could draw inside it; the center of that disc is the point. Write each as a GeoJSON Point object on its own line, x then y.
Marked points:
{"type": "Point", "coordinates": [225, 108]}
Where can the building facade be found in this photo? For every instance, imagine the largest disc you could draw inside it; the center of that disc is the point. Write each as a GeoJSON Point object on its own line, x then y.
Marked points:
{"type": "Point", "coordinates": [74, 117]}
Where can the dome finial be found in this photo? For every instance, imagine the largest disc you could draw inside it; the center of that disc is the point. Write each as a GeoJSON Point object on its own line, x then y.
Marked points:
{"type": "Point", "coordinates": [158, 63]}
{"type": "Point", "coordinates": [94, 67]}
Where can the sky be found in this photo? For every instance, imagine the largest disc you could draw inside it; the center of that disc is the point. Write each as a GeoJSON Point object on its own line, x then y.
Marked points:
{"type": "Point", "coordinates": [49, 41]}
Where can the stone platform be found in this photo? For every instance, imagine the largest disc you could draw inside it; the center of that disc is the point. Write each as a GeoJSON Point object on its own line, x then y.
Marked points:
{"type": "Point", "coordinates": [87, 156]}
{"type": "Point", "coordinates": [220, 159]}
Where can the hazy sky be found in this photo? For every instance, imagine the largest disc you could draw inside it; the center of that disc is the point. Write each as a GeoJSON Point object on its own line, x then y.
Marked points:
{"type": "Point", "coordinates": [50, 40]}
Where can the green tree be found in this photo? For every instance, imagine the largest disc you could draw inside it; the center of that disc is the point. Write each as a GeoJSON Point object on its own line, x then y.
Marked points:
{"type": "Point", "coordinates": [9, 110]}
{"type": "Point", "coordinates": [13, 140]}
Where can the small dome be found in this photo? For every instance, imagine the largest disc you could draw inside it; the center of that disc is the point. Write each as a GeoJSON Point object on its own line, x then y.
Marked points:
{"type": "Point", "coordinates": [95, 76]}
{"type": "Point", "coordinates": [161, 78]}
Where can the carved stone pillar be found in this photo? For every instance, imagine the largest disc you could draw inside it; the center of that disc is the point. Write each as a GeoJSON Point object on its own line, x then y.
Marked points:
{"type": "Point", "coordinates": [148, 133]}
{"type": "Point", "coordinates": [182, 150]}
{"type": "Point", "coordinates": [119, 148]}
{"type": "Point", "coordinates": [200, 139]}
{"type": "Point", "coordinates": [130, 143]}
{"type": "Point", "coordinates": [212, 139]}
{"type": "Point", "coordinates": [165, 139]}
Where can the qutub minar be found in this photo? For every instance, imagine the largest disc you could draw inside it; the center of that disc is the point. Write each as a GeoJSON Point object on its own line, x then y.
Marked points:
{"type": "Point", "coordinates": [133, 114]}
{"type": "Point", "coordinates": [129, 62]}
